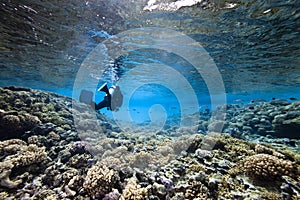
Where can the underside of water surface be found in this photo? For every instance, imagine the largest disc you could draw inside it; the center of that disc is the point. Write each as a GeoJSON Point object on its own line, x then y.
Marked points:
{"type": "Point", "coordinates": [254, 44]}
{"type": "Point", "coordinates": [208, 106]}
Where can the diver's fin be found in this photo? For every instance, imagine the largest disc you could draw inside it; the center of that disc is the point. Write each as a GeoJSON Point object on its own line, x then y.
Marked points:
{"type": "Point", "coordinates": [86, 97]}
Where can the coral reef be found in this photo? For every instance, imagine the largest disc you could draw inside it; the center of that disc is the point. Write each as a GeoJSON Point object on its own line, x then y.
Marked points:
{"type": "Point", "coordinates": [48, 107]}
{"type": "Point", "coordinates": [100, 180]}
{"type": "Point", "coordinates": [268, 167]}
{"type": "Point", "coordinates": [20, 156]}
{"type": "Point", "coordinates": [134, 191]}
{"type": "Point", "coordinates": [278, 118]}
{"type": "Point", "coordinates": [13, 123]}
{"type": "Point", "coordinates": [43, 155]}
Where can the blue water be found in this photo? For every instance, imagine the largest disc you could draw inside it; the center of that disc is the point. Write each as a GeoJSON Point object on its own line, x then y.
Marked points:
{"type": "Point", "coordinates": [255, 46]}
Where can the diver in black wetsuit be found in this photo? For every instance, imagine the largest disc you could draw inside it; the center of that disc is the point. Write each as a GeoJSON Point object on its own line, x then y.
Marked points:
{"type": "Point", "coordinates": [112, 101]}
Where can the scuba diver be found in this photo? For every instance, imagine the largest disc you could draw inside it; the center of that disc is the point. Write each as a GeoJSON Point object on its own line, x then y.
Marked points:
{"type": "Point", "coordinates": [112, 100]}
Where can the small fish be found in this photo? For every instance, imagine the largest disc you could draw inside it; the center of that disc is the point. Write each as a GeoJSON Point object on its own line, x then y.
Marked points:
{"type": "Point", "coordinates": [239, 100]}
{"type": "Point", "coordinates": [293, 98]}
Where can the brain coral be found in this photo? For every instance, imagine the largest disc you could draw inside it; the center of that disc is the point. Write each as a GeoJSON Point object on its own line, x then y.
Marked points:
{"type": "Point", "coordinates": [267, 167]}
{"type": "Point", "coordinates": [100, 180]}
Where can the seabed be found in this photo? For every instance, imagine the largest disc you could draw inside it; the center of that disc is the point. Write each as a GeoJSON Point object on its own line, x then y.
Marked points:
{"type": "Point", "coordinates": [44, 156]}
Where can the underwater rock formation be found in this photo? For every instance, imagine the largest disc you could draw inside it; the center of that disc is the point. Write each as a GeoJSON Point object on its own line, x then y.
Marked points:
{"type": "Point", "coordinates": [288, 123]}
{"type": "Point", "coordinates": [278, 118]}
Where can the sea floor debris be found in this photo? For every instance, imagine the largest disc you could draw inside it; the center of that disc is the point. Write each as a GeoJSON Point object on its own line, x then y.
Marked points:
{"type": "Point", "coordinates": [42, 156]}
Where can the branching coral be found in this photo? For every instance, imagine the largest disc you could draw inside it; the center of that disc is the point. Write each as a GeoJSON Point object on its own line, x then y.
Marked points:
{"type": "Point", "coordinates": [22, 155]}
{"type": "Point", "coordinates": [134, 191]}
{"type": "Point", "coordinates": [100, 180]}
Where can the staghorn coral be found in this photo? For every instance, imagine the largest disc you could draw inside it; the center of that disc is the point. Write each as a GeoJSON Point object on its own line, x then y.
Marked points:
{"type": "Point", "coordinates": [22, 156]}
{"type": "Point", "coordinates": [100, 180]}
{"type": "Point", "coordinates": [267, 167]}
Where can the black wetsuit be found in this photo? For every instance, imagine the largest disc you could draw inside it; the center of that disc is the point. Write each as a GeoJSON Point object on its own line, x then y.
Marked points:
{"type": "Point", "coordinates": [105, 103]}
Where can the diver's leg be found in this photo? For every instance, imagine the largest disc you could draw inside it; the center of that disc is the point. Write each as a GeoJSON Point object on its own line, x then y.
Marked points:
{"type": "Point", "coordinates": [104, 88]}
{"type": "Point", "coordinates": [102, 104]}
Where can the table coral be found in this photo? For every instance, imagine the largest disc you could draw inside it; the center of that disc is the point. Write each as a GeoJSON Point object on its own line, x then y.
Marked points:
{"type": "Point", "coordinates": [267, 167]}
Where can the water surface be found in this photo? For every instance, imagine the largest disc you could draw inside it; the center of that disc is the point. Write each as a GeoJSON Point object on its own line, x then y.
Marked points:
{"type": "Point", "coordinates": [255, 44]}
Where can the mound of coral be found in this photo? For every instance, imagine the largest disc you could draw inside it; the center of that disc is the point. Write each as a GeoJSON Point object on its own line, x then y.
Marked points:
{"type": "Point", "coordinates": [43, 156]}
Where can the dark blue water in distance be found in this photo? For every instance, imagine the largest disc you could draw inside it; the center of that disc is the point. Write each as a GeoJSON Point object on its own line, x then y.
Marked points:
{"type": "Point", "coordinates": [254, 44]}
